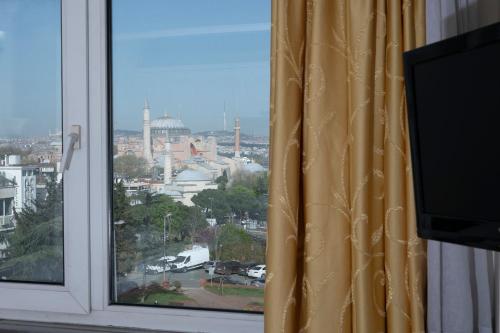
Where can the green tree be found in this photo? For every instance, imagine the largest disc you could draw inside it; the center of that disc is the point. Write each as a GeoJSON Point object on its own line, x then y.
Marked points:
{"type": "Point", "coordinates": [187, 223]}
{"type": "Point", "coordinates": [130, 166]}
{"type": "Point", "coordinates": [236, 244]}
{"type": "Point", "coordinates": [222, 181]}
{"type": "Point", "coordinates": [261, 184]}
{"type": "Point", "coordinates": [35, 248]}
{"type": "Point", "coordinates": [214, 203]}
{"type": "Point", "coordinates": [126, 241]}
{"type": "Point", "coordinates": [242, 201]}
{"type": "Point", "coordinates": [257, 182]}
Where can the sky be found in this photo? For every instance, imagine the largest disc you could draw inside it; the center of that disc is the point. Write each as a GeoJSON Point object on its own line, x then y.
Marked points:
{"type": "Point", "coordinates": [189, 58]}
{"type": "Point", "coordinates": [30, 67]}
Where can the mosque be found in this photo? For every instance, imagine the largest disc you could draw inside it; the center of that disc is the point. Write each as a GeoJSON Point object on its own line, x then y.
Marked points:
{"type": "Point", "coordinates": [190, 163]}
{"type": "Point", "coordinates": [184, 164]}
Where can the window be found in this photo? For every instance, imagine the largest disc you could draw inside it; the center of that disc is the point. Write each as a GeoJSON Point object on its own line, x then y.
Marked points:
{"type": "Point", "coordinates": [44, 242]}
{"type": "Point", "coordinates": [32, 242]}
{"type": "Point", "coordinates": [190, 151]}
{"type": "Point", "coordinates": [123, 221]}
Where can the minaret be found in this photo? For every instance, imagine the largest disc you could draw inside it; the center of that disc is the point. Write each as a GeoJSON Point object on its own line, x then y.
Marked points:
{"type": "Point", "coordinates": [237, 138]}
{"type": "Point", "coordinates": [167, 171]}
{"type": "Point", "coordinates": [148, 156]}
{"type": "Point", "coordinates": [225, 127]}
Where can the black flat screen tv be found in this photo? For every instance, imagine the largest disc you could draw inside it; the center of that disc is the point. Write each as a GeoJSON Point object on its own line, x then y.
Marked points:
{"type": "Point", "coordinates": [453, 96]}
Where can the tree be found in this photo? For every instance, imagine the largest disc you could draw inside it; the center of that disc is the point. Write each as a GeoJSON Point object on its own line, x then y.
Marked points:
{"type": "Point", "coordinates": [214, 203]}
{"type": "Point", "coordinates": [126, 241]}
{"type": "Point", "coordinates": [257, 182]}
{"type": "Point", "coordinates": [261, 184]}
{"type": "Point", "coordinates": [243, 201]}
{"type": "Point", "coordinates": [130, 166]}
{"type": "Point", "coordinates": [222, 181]}
{"type": "Point", "coordinates": [236, 244]}
{"type": "Point", "coordinates": [35, 248]}
{"type": "Point", "coordinates": [187, 222]}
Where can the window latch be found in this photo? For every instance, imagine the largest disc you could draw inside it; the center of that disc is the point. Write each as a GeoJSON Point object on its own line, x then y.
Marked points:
{"type": "Point", "coordinates": [74, 144]}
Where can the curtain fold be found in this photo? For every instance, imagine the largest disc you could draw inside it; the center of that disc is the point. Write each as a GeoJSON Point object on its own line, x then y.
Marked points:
{"type": "Point", "coordinates": [343, 255]}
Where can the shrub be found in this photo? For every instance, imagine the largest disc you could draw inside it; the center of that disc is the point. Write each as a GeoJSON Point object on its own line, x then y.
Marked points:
{"type": "Point", "coordinates": [177, 285]}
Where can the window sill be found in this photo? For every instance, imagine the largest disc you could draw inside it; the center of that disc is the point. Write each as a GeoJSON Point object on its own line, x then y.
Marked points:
{"type": "Point", "coordinates": [12, 326]}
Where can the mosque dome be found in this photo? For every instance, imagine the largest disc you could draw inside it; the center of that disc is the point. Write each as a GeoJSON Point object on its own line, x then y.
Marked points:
{"type": "Point", "coordinates": [168, 125]}
{"type": "Point", "coordinates": [192, 175]}
{"type": "Point", "coordinates": [167, 122]}
{"type": "Point", "coordinates": [254, 167]}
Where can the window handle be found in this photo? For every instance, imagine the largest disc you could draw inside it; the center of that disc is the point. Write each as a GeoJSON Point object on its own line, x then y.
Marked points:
{"type": "Point", "coordinates": [74, 144]}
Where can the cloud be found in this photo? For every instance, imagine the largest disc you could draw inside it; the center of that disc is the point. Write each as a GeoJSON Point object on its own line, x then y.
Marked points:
{"type": "Point", "coordinates": [196, 31]}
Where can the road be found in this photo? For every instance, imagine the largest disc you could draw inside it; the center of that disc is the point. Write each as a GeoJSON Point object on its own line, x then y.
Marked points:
{"type": "Point", "coordinates": [190, 279]}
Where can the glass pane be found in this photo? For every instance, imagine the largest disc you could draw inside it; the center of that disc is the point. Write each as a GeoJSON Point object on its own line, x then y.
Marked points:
{"type": "Point", "coordinates": [190, 149]}
{"type": "Point", "coordinates": [31, 209]}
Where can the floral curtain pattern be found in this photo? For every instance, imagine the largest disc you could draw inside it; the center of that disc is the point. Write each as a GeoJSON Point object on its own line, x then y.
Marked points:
{"type": "Point", "coordinates": [343, 254]}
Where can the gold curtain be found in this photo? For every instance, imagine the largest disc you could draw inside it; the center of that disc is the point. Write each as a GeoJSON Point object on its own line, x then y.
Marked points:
{"type": "Point", "coordinates": [343, 255]}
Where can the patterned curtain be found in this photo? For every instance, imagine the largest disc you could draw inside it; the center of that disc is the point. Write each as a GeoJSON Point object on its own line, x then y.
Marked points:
{"type": "Point", "coordinates": [343, 255]}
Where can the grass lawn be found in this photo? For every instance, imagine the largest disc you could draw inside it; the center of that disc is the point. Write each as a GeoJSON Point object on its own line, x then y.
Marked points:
{"type": "Point", "coordinates": [237, 291]}
{"type": "Point", "coordinates": [156, 298]}
{"type": "Point", "coordinates": [166, 297]}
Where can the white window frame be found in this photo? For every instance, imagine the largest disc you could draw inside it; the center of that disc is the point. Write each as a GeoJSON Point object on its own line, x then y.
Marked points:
{"type": "Point", "coordinates": [101, 311]}
{"type": "Point", "coordinates": [73, 296]}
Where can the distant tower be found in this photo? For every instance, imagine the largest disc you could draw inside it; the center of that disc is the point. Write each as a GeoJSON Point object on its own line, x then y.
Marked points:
{"type": "Point", "coordinates": [237, 138]}
{"type": "Point", "coordinates": [167, 171]}
{"type": "Point", "coordinates": [147, 134]}
{"type": "Point", "coordinates": [225, 124]}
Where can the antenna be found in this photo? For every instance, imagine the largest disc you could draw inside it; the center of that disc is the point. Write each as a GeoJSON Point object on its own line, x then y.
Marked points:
{"type": "Point", "coordinates": [225, 123]}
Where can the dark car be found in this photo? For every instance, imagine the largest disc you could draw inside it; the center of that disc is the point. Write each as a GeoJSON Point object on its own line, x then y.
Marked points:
{"type": "Point", "coordinates": [258, 283]}
{"type": "Point", "coordinates": [227, 267]}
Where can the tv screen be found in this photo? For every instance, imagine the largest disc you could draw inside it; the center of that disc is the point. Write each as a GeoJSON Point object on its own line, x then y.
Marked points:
{"type": "Point", "coordinates": [453, 94]}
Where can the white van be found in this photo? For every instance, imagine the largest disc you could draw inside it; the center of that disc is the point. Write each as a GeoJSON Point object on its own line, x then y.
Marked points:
{"type": "Point", "coordinates": [163, 264]}
{"type": "Point", "coordinates": [190, 259]}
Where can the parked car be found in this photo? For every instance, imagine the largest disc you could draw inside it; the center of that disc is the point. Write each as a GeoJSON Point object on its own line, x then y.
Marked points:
{"type": "Point", "coordinates": [190, 259]}
{"type": "Point", "coordinates": [244, 268]}
{"type": "Point", "coordinates": [261, 283]}
{"type": "Point", "coordinates": [228, 267]}
{"type": "Point", "coordinates": [258, 271]}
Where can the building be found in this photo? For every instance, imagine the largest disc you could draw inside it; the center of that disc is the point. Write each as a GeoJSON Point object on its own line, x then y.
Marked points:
{"type": "Point", "coordinates": [161, 128]}
{"type": "Point", "coordinates": [24, 179]}
{"type": "Point", "coordinates": [175, 128]}
{"type": "Point", "coordinates": [186, 185]}
{"type": "Point", "coordinates": [7, 196]}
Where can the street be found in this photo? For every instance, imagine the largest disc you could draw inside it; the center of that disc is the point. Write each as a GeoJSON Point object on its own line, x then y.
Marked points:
{"type": "Point", "coordinates": [188, 280]}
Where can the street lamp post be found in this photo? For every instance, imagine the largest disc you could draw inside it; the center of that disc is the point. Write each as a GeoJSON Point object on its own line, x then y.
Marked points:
{"type": "Point", "coordinates": [167, 216]}
{"type": "Point", "coordinates": [120, 222]}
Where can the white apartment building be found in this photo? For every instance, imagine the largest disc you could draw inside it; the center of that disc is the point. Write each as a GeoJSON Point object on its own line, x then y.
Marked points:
{"type": "Point", "coordinates": [7, 194]}
{"type": "Point", "coordinates": [24, 180]}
